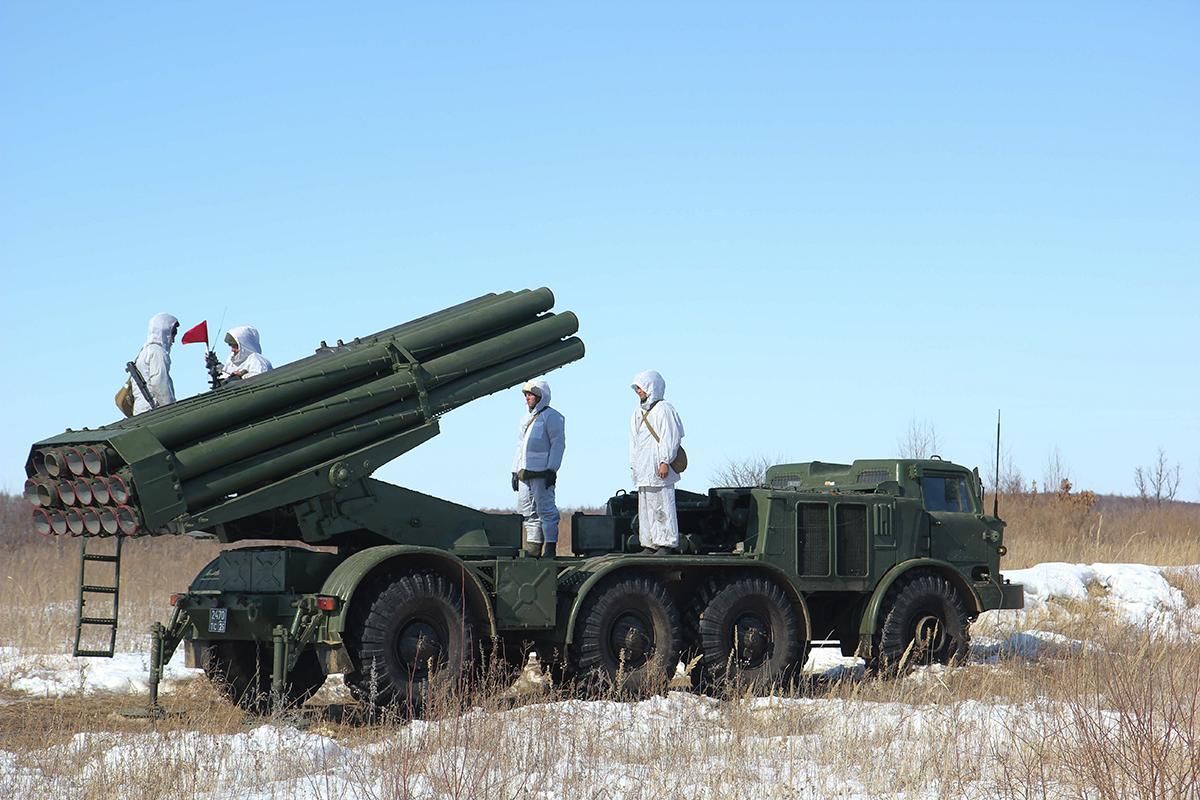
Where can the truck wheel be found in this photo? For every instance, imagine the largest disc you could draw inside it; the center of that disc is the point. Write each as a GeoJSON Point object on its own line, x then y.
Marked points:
{"type": "Point", "coordinates": [415, 627]}
{"type": "Point", "coordinates": [241, 671]}
{"type": "Point", "coordinates": [925, 621]}
{"type": "Point", "coordinates": [749, 633]}
{"type": "Point", "coordinates": [628, 636]}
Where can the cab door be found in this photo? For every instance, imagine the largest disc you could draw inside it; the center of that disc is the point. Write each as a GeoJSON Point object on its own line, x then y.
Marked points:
{"type": "Point", "coordinates": [955, 526]}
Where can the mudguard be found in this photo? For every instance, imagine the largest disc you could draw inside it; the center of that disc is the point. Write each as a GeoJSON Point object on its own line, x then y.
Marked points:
{"type": "Point", "coordinates": [870, 618]}
{"type": "Point", "coordinates": [348, 576]}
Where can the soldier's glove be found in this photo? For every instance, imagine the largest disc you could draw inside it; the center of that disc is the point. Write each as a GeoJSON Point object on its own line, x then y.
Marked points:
{"type": "Point", "coordinates": [551, 477]}
{"type": "Point", "coordinates": [514, 481]}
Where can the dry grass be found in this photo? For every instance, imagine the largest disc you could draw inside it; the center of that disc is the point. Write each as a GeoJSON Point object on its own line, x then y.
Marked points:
{"type": "Point", "coordinates": [39, 583]}
{"type": "Point", "coordinates": [1071, 527]}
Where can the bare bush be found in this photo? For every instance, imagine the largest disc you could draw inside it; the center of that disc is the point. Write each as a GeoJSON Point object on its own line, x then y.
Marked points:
{"type": "Point", "coordinates": [1135, 721]}
{"type": "Point", "coordinates": [751, 471]}
{"type": "Point", "coordinates": [1159, 481]}
{"type": "Point", "coordinates": [1056, 472]}
{"type": "Point", "coordinates": [920, 441]}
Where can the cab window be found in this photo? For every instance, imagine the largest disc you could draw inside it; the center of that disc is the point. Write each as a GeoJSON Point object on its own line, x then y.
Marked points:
{"type": "Point", "coordinates": [947, 493]}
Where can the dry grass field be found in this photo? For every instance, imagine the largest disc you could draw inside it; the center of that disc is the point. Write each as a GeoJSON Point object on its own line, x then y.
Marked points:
{"type": "Point", "coordinates": [1117, 716]}
{"type": "Point", "coordinates": [1077, 527]}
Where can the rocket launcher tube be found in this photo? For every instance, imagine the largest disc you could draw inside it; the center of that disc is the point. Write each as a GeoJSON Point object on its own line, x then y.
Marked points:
{"type": "Point", "coordinates": [100, 491]}
{"type": "Point", "coordinates": [445, 314]}
{"type": "Point", "coordinates": [34, 492]}
{"type": "Point", "coordinates": [356, 434]}
{"type": "Point", "coordinates": [244, 442]}
{"type": "Point", "coordinates": [41, 522]}
{"type": "Point", "coordinates": [303, 381]}
{"type": "Point", "coordinates": [326, 371]}
{"type": "Point", "coordinates": [53, 463]}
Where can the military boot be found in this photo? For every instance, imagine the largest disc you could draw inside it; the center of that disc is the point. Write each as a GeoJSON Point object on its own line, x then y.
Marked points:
{"type": "Point", "coordinates": [533, 549]}
{"type": "Point", "coordinates": [550, 550]}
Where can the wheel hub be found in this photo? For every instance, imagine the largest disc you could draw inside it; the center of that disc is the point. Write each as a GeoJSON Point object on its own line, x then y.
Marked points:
{"type": "Point", "coordinates": [419, 644]}
{"type": "Point", "coordinates": [632, 639]}
{"type": "Point", "coordinates": [752, 640]}
{"type": "Point", "coordinates": [929, 633]}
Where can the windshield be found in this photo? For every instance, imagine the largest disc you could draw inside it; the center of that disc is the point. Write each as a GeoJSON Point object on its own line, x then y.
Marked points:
{"type": "Point", "coordinates": [947, 493]}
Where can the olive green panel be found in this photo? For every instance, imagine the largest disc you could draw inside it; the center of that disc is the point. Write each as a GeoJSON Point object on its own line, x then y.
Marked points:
{"type": "Point", "coordinates": [870, 618]}
{"type": "Point", "coordinates": [591, 533]}
{"type": "Point", "coordinates": [405, 516]}
{"type": "Point", "coordinates": [274, 569]}
{"type": "Point", "coordinates": [526, 593]}
{"type": "Point", "coordinates": [959, 539]}
{"type": "Point", "coordinates": [159, 493]}
{"type": "Point", "coordinates": [345, 580]}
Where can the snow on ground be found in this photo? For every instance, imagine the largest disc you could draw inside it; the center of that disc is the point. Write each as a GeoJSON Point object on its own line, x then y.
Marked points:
{"type": "Point", "coordinates": [62, 674]}
{"type": "Point", "coordinates": [1138, 593]}
{"type": "Point", "coordinates": [778, 751]}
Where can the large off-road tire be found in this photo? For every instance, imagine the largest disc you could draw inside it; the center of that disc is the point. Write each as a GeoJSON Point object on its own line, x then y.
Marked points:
{"type": "Point", "coordinates": [925, 621]}
{"type": "Point", "coordinates": [416, 626]}
{"type": "Point", "coordinates": [628, 637]}
{"type": "Point", "coordinates": [750, 635]}
{"type": "Point", "coordinates": [241, 671]}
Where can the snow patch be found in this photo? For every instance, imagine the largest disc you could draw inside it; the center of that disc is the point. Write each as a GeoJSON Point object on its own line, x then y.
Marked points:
{"type": "Point", "coordinates": [61, 674]}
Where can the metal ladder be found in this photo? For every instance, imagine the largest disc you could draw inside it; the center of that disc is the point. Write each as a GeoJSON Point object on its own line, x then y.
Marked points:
{"type": "Point", "coordinates": [94, 591]}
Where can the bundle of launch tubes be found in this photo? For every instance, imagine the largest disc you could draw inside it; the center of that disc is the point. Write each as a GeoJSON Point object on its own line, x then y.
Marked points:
{"type": "Point", "coordinates": [302, 416]}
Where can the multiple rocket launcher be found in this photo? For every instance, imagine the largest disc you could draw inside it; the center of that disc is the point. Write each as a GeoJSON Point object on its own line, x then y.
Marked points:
{"type": "Point", "coordinates": [298, 431]}
{"type": "Point", "coordinates": [74, 494]}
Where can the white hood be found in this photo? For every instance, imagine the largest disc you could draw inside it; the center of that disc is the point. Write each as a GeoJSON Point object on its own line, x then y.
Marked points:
{"type": "Point", "coordinates": [159, 330]}
{"type": "Point", "coordinates": [652, 384]}
{"type": "Point", "coordinates": [246, 337]}
{"type": "Point", "coordinates": [540, 388]}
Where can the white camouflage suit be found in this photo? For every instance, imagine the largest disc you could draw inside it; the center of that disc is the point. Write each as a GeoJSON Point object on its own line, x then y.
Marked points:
{"type": "Point", "coordinates": [249, 360]}
{"type": "Point", "coordinates": [541, 442]}
{"type": "Point", "coordinates": [154, 362]}
{"type": "Point", "coordinates": [658, 525]}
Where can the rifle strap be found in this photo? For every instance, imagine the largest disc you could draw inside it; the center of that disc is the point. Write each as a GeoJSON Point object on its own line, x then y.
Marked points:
{"type": "Point", "coordinates": [136, 376]}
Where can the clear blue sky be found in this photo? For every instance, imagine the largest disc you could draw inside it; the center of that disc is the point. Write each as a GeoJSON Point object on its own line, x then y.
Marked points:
{"type": "Point", "coordinates": [819, 223]}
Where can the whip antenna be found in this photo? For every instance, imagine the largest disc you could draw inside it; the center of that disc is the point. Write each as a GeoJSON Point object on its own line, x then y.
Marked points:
{"type": "Point", "coordinates": [996, 488]}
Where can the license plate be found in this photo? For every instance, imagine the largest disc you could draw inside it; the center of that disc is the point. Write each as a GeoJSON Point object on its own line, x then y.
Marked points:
{"type": "Point", "coordinates": [218, 620]}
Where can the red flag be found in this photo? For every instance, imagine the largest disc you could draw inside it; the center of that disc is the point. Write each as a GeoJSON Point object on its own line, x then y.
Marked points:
{"type": "Point", "coordinates": [197, 334]}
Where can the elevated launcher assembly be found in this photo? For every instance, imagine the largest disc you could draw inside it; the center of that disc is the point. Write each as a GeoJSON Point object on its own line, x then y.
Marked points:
{"type": "Point", "coordinates": [893, 558]}
{"type": "Point", "coordinates": [262, 458]}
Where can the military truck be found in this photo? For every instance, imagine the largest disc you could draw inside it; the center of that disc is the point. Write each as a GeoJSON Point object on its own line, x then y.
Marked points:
{"type": "Point", "coordinates": [338, 572]}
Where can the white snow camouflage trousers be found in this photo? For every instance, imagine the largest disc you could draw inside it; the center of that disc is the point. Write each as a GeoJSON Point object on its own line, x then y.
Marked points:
{"type": "Point", "coordinates": [535, 500]}
{"type": "Point", "coordinates": [657, 524]}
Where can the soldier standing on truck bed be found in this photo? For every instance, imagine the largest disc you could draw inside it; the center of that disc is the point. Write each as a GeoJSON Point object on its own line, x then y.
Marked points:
{"type": "Point", "coordinates": [153, 363]}
{"type": "Point", "coordinates": [541, 442]}
{"type": "Point", "coordinates": [656, 459]}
